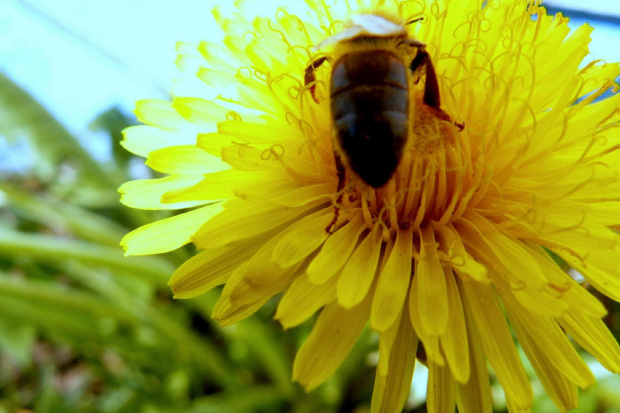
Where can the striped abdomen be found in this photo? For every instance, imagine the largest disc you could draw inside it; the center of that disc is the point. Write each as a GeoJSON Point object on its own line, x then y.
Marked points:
{"type": "Point", "coordinates": [370, 108]}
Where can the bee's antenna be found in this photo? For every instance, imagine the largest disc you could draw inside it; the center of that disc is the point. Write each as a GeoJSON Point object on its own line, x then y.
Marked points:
{"type": "Point", "coordinates": [418, 19]}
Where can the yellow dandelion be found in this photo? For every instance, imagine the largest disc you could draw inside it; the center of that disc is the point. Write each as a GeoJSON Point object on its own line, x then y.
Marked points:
{"type": "Point", "coordinates": [517, 163]}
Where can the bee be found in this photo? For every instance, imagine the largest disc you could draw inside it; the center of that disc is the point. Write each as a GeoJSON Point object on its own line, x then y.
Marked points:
{"type": "Point", "coordinates": [373, 66]}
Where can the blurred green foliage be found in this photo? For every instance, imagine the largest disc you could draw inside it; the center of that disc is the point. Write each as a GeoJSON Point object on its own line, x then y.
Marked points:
{"type": "Point", "coordinates": [84, 329]}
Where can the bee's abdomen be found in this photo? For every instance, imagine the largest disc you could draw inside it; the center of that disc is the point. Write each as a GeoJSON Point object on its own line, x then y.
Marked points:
{"type": "Point", "coordinates": [370, 106]}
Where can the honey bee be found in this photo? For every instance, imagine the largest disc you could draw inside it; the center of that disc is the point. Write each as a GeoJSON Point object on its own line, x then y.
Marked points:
{"type": "Point", "coordinates": [374, 63]}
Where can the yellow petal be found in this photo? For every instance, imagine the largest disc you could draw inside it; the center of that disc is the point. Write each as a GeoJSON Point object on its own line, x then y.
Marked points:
{"type": "Point", "coordinates": [160, 113]}
{"type": "Point", "coordinates": [551, 341]}
{"type": "Point", "coordinates": [308, 193]}
{"type": "Point", "coordinates": [475, 395]}
{"type": "Point", "coordinates": [273, 189]}
{"type": "Point", "coordinates": [563, 286]}
{"type": "Point", "coordinates": [224, 184]}
{"type": "Point", "coordinates": [211, 268]}
{"type": "Point", "coordinates": [148, 193]}
{"type": "Point", "coordinates": [214, 143]}
{"type": "Point", "coordinates": [440, 391]}
{"type": "Point", "coordinates": [569, 228]}
{"type": "Point", "coordinates": [331, 339]}
{"type": "Point", "coordinates": [302, 299]}
{"type": "Point", "coordinates": [167, 234]}
{"type": "Point", "coordinates": [227, 86]}
{"type": "Point", "coordinates": [460, 259]}
{"type": "Point", "coordinates": [262, 278]}
{"type": "Point", "coordinates": [432, 296]}
{"type": "Point", "coordinates": [603, 213]}
{"type": "Point", "coordinates": [497, 343]}
{"type": "Point", "coordinates": [596, 236]}
{"type": "Point", "coordinates": [252, 284]}
{"type": "Point", "coordinates": [561, 390]}
{"type": "Point", "coordinates": [241, 219]}
{"type": "Point", "coordinates": [302, 238]}
{"type": "Point", "coordinates": [568, 52]}
{"type": "Point", "coordinates": [546, 302]}
{"type": "Point", "coordinates": [431, 343]}
{"type": "Point", "coordinates": [454, 340]}
{"type": "Point", "coordinates": [269, 57]}
{"type": "Point", "coordinates": [184, 160]}
{"type": "Point", "coordinates": [188, 58]}
{"type": "Point", "coordinates": [359, 272]}
{"type": "Point", "coordinates": [311, 34]}
{"type": "Point", "coordinates": [219, 56]}
{"type": "Point", "coordinates": [393, 283]}
{"type": "Point", "coordinates": [397, 355]}
{"type": "Point", "coordinates": [142, 139]}
{"type": "Point", "coordinates": [594, 336]}
{"type": "Point", "coordinates": [226, 314]}
{"type": "Point", "coordinates": [257, 134]}
{"type": "Point", "coordinates": [289, 193]}
{"type": "Point", "coordinates": [600, 268]}
{"type": "Point", "coordinates": [386, 343]}
{"type": "Point", "coordinates": [247, 158]}
{"type": "Point", "coordinates": [532, 295]}
{"type": "Point", "coordinates": [336, 251]}
{"type": "Point", "coordinates": [593, 114]}
{"type": "Point", "coordinates": [200, 111]}
{"type": "Point", "coordinates": [509, 252]}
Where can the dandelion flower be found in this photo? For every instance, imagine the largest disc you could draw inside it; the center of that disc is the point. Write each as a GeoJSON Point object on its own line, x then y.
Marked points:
{"type": "Point", "coordinates": [455, 248]}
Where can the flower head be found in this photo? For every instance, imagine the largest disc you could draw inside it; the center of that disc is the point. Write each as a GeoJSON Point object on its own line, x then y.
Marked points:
{"type": "Point", "coordinates": [518, 165]}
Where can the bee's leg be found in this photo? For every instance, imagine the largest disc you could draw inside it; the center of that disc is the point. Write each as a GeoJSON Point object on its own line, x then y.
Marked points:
{"type": "Point", "coordinates": [310, 77]}
{"type": "Point", "coordinates": [417, 19]}
{"type": "Point", "coordinates": [431, 88]}
{"type": "Point", "coordinates": [432, 97]}
{"type": "Point", "coordinates": [340, 171]}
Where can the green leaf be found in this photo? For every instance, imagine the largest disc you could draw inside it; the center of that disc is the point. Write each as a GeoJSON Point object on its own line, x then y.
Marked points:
{"type": "Point", "coordinates": [16, 338]}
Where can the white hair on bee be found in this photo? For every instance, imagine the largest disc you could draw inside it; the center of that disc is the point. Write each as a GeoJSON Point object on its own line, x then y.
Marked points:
{"type": "Point", "coordinates": [365, 24]}
{"type": "Point", "coordinates": [377, 25]}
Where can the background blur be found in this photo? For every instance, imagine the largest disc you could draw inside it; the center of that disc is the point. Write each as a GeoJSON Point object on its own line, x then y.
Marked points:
{"type": "Point", "coordinates": [83, 329]}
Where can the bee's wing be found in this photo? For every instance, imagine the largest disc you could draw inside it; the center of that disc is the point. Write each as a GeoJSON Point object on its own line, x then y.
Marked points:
{"type": "Point", "coordinates": [348, 33]}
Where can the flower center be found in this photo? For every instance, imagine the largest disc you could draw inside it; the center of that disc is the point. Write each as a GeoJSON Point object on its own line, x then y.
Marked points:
{"type": "Point", "coordinates": [435, 181]}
